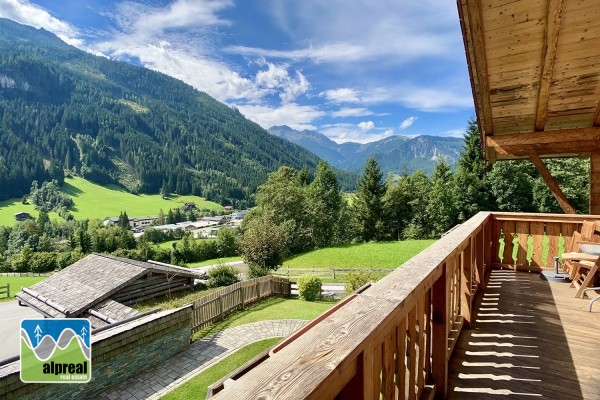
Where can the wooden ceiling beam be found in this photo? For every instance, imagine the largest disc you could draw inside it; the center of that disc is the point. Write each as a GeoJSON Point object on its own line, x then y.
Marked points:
{"type": "Point", "coordinates": [552, 185]}
{"type": "Point", "coordinates": [471, 21]}
{"type": "Point", "coordinates": [549, 56]}
{"type": "Point", "coordinates": [566, 141]}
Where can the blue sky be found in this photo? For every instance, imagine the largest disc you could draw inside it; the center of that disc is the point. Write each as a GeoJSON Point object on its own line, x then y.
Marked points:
{"type": "Point", "coordinates": [355, 70]}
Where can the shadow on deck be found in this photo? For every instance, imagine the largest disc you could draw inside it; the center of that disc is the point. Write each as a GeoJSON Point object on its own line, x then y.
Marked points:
{"type": "Point", "coordinates": [531, 338]}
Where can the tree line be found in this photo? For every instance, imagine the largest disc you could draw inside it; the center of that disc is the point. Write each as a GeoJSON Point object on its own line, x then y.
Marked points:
{"type": "Point", "coordinates": [295, 214]}
{"type": "Point", "coordinates": [297, 211]}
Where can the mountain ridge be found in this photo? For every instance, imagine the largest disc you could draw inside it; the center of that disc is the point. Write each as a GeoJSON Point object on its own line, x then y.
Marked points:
{"type": "Point", "coordinates": [62, 109]}
{"type": "Point", "coordinates": [394, 154]}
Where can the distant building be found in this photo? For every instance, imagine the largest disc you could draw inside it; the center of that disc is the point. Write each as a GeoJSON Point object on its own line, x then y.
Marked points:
{"type": "Point", "coordinates": [139, 223]}
{"type": "Point", "coordinates": [239, 215]}
{"type": "Point", "coordinates": [228, 208]}
{"type": "Point", "coordinates": [22, 216]}
{"type": "Point", "coordinates": [189, 206]}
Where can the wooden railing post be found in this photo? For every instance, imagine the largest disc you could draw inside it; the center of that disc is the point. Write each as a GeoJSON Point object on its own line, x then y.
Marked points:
{"type": "Point", "coordinates": [439, 333]}
{"type": "Point", "coordinates": [466, 282]}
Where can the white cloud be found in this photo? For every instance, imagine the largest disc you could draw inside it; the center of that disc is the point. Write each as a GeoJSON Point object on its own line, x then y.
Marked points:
{"type": "Point", "coordinates": [351, 112]}
{"type": "Point", "coordinates": [29, 14]}
{"type": "Point", "coordinates": [342, 133]}
{"type": "Point", "coordinates": [363, 30]}
{"type": "Point", "coordinates": [366, 125]}
{"type": "Point", "coordinates": [428, 99]}
{"type": "Point", "coordinates": [277, 78]}
{"type": "Point", "coordinates": [296, 116]}
{"type": "Point", "coordinates": [407, 122]}
{"type": "Point", "coordinates": [342, 95]}
{"type": "Point", "coordinates": [460, 133]}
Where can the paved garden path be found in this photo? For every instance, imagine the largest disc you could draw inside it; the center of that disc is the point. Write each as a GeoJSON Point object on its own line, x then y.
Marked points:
{"type": "Point", "coordinates": [200, 355]}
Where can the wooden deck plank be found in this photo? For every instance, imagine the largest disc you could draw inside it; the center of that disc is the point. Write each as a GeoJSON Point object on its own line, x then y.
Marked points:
{"type": "Point", "coordinates": [530, 338]}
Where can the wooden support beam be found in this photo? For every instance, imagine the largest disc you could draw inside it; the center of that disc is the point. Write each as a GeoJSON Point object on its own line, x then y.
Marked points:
{"type": "Point", "coordinates": [595, 183]}
{"type": "Point", "coordinates": [471, 21]}
{"type": "Point", "coordinates": [566, 141]}
{"type": "Point", "coordinates": [550, 43]}
{"type": "Point", "coordinates": [551, 182]}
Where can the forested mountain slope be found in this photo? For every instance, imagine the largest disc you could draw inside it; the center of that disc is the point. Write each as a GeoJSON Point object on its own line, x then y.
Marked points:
{"type": "Point", "coordinates": [395, 154]}
{"type": "Point", "coordinates": [112, 122]}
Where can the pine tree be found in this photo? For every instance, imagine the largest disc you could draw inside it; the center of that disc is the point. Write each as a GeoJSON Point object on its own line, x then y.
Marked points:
{"type": "Point", "coordinates": [471, 176]}
{"type": "Point", "coordinates": [368, 204]}
{"type": "Point", "coordinates": [324, 205]}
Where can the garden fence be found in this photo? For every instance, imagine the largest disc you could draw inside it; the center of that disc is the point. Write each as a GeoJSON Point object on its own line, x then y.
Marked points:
{"type": "Point", "coordinates": [5, 291]}
{"type": "Point", "coordinates": [217, 305]}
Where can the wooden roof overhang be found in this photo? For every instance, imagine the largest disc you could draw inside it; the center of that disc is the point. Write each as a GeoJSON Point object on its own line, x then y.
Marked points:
{"type": "Point", "coordinates": [535, 75]}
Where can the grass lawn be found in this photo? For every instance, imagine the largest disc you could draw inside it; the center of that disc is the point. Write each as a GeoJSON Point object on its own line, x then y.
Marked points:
{"type": "Point", "coordinates": [95, 201]}
{"type": "Point", "coordinates": [177, 299]}
{"type": "Point", "coordinates": [214, 261]}
{"type": "Point", "coordinates": [271, 308]}
{"type": "Point", "coordinates": [196, 387]}
{"type": "Point", "coordinates": [17, 282]}
{"type": "Point", "coordinates": [361, 255]}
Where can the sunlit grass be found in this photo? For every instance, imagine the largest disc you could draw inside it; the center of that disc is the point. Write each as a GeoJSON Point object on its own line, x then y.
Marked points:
{"type": "Point", "coordinates": [197, 387]}
{"type": "Point", "coordinates": [93, 201]}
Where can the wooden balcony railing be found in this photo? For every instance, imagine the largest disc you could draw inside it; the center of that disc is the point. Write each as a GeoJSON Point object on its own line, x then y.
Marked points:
{"type": "Point", "coordinates": [394, 340]}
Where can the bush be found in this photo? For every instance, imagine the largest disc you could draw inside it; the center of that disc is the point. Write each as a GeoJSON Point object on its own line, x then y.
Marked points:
{"type": "Point", "coordinates": [354, 280]}
{"type": "Point", "coordinates": [256, 271]}
{"type": "Point", "coordinates": [309, 287]}
{"type": "Point", "coordinates": [222, 275]}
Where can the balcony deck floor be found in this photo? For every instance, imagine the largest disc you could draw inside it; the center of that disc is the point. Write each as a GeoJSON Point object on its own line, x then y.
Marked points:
{"type": "Point", "coordinates": [531, 339]}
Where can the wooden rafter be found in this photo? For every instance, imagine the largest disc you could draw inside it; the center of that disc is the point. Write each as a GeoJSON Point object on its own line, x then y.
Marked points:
{"type": "Point", "coordinates": [550, 44]}
{"type": "Point", "coordinates": [559, 142]}
{"type": "Point", "coordinates": [551, 182]}
{"type": "Point", "coordinates": [471, 20]}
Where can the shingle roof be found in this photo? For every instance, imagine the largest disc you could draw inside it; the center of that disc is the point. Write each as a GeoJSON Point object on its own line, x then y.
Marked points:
{"type": "Point", "coordinates": [90, 281]}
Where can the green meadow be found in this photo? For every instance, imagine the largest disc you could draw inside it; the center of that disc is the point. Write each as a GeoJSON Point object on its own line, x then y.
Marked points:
{"type": "Point", "coordinates": [95, 201]}
{"type": "Point", "coordinates": [360, 255]}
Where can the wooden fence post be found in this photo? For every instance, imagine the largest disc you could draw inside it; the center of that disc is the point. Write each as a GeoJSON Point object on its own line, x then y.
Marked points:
{"type": "Point", "coordinates": [8, 289]}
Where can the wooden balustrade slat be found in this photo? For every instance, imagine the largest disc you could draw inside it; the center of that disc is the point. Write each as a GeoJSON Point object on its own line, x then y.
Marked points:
{"type": "Point", "coordinates": [553, 233]}
{"type": "Point", "coordinates": [389, 351]}
{"type": "Point", "coordinates": [566, 231]}
{"type": "Point", "coordinates": [421, 347]}
{"type": "Point", "coordinates": [401, 359]}
{"type": "Point", "coordinates": [537, 231]}
{"type": "Point", "coordinates": [508, 229]}
{"type": "Point", "coordinates": [376, 372]}
{"type": "Point", "coordinates": [522, 230]}
{"type": "Point", "coordinates": [412, 352]}
{"type": "Point", "coordinates": [466, 283]}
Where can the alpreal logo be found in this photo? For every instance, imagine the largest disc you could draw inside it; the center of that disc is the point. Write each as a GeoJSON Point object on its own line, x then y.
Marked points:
{"type": "Point", "coordinates": [56, 350]}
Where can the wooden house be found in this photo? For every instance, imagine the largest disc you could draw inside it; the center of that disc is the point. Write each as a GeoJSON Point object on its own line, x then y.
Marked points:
{"type": "Point", "coordinates": [102, 287]}
{"type": "Point", "coordinates": [22, 216]}
{"type": "Point", "coordinates": [470, 316]}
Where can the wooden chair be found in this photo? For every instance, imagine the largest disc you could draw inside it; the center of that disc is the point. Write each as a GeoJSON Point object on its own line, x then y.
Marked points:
{"type": "Point", "coordinates": [582, 268]}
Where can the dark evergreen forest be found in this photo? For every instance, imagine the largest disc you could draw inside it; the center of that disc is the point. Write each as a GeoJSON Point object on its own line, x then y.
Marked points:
{"type": "Point", "coordinates": [62, 109]}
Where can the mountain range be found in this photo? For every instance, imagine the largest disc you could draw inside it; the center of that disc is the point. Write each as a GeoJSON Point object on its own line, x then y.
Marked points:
{"type": "Point", "coordinates": [394, 154]}
{"type": "Point", "coordinates": [62, 109]}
